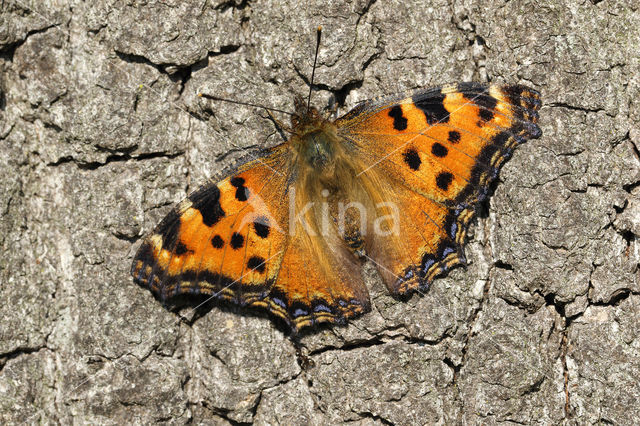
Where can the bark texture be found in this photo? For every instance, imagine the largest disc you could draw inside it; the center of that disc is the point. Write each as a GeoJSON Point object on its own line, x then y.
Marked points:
{"type": "Point", "coordinates": [102, 130]}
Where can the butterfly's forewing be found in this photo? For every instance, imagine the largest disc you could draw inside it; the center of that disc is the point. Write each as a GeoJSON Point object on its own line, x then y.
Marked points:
{"type": "Point", "coordinates": [441, 148]}
{"type": "Point", "coordinates": [232, 240]}
{"type": "Point", "coordinates": [226, 239]}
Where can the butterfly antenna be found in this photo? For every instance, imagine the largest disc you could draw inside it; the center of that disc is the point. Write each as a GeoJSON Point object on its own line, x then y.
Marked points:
{"type": "Point", "coordinates": [315, 60]}
{"type": "Point", "coordinates": [249, 104]}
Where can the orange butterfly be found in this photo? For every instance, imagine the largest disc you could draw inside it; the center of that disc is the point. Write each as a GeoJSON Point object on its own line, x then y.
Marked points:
{"type": "Point", "coordinates": [395, 180]}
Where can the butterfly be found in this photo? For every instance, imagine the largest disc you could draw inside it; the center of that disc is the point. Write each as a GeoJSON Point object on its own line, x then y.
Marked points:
{"type": "Point", "coordinates": [396, 181]}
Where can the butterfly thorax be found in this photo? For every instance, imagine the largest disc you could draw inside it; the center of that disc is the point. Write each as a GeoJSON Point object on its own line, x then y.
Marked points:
{"type": "Point", "coordinates": [314, 139]}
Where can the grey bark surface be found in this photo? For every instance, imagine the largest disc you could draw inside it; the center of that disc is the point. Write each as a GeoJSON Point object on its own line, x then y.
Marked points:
{"type": "Point", "coordinates": [102, 131]}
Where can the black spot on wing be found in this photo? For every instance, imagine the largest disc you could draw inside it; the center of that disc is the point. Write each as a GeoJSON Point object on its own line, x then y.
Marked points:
{"type": "Point", "coordinates": [484, 99]}
{"type": "Point", "coordinates": [399, 122]}
{"type": "Point", "coordinates": [237, 241]}
{"type": "Point", "coordinates": [145, 253]}
{"type": "Point", "coordinates": [168, 229]}
{"type": "Point", "coordinates": [256, 263]}
{"type": "Point", "coordinates": [242, 192]}
{"type": "Point", "coordinates": [486, 115]}
{"type": "Point", "coordinates": [207, 201]}
{"type": "Point", "coordinates": [217, 242]}
{"type": "Point", "coordinates": [237, 181]}
{"type": "Point", "coordinates": [262, 228]}
{"type": "Point", "coordinates": [412, 158]}
{"type": "Point", "coordinates": [181, 248]}
{"type": "Point", "coordinates": [454, 136]}
{"type": "Point", "coordinates": [443, 180]}
{"type": "Point", "coordinates": [478, 94]}
{"type": "Point", "coordinates": [439, 150]}
{"type": "Point", "coordinates": [432, 106]}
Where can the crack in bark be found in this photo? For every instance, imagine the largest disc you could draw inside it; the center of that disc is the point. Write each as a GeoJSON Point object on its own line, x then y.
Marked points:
{"type": "Point", "coordinates": [19, 351]}
{"type": "Point", "coordinates": [374, 417]}
{"type": "Point", "coordinates": [565, 371]}
{"type": "Point", "coordinates": [166, 67]}
{"type": "Point", "coordinates": [573, 107]}
{"type": "Point", "coordinates": [378, 340]}
{"type": "Point", "coordinates": [221, 412]}
{"type": "Point", "coordinates": [114, 158]}
{"type": "Point", "coordinates": [7, 51]}
{"type": "Point", "coordinates": [617, 297]}
{"type": "Point", "coordinates": [479, 57]}
{"type": "Point", "coordinates": [550, 300]}
{"type": "Point", "coordinates": [341, 93]}
{"type": "Point", "coordinates": [359, 344]}
{"type": "Point", "coordinates": [363, 13]}
{"type": "Point", "coordinates": [230, 4]}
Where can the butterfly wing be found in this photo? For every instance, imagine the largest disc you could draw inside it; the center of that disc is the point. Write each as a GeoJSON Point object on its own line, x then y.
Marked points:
{"type": "Point", "coordinates": [439, 149]}
{"type": "Point", "coordinates": [231, 240]}
{"type": "Point", "coordinates": [223, 240]}
{"type": "Point", "coordinates": [318, 281]}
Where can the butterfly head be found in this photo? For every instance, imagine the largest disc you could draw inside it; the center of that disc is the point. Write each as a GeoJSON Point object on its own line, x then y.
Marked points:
{"type": "Point", "coordinates": [305, 117]}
